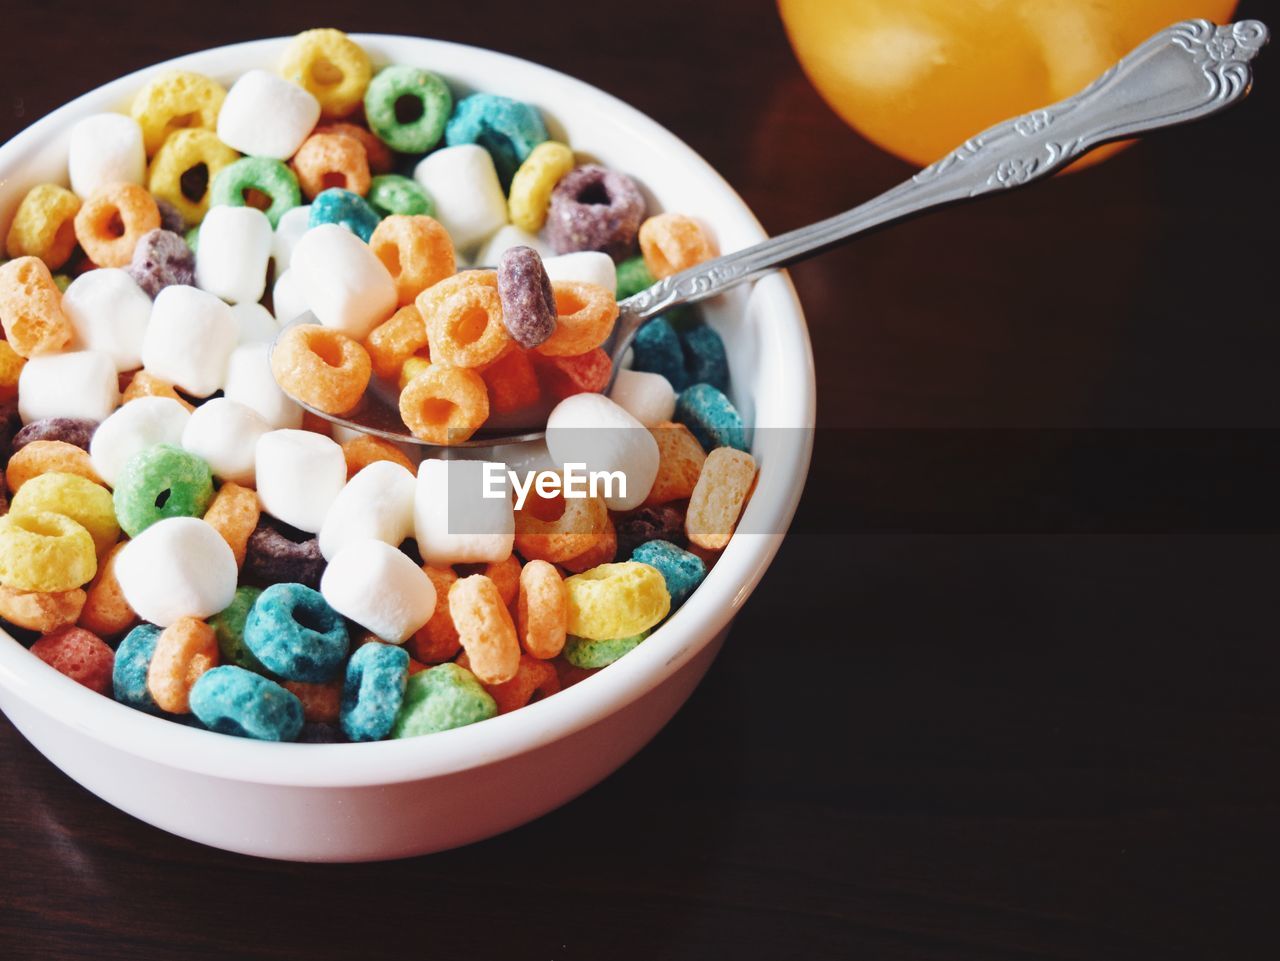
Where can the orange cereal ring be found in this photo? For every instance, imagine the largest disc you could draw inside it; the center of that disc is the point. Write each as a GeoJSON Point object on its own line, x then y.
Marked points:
{"type": "Point", "coordinates": [505, 576]}
{"type": "Point", "coordinates": [144, 384]}
{"type": "Point", "coordinates": [42, 611]}
{"type": "Point", "coordinates": [234, 513]}
{"type": "Point", "coordinates": [542, 611]}
{"type": "Point", "coordinates": [604, 551]}
{"type": "Point", "coordinates": [556, 529]}
{"type": "Point", "coordinates": [184, 650]}
{"type": "Point", "coordinates": [11, 364]}
{"type": "Point", "coordinates": [364, 450]}
{"type": "Point", "coordinates": [42, 456]}
{"type": "Point", "coordinates": [184, 169]}
{"type": "Point", "coordinates": [463, 314]}
{"type": "Point", "coordinates": [437, 640]}
{"type": "Point", "coordinates": [534, 680]}
{"type": "Point", "coordinates": [512, 382]}
{"type": "Point", "coordinates": [671, 243]}
{"type": "Point", "coordinates": [416, 251]}
{"type": "Point", "coordinates": [320, 702]}
{"type": "Point", "coordinates": [176, 100]}
{"type": "Point", "coordinates": [394, 341]}
{"type": "Point", "coordinates": [584, 318]}
{"type": "Point", "coordinates": [381, 159]}
{"type": "Point", "coordinates": [331, 160]}
{"type": "Point", "coordinates": [321, 366]}
{"type": "Point", "coordinates": [31, 308]}
{"type": "Point", "coordinates": [106, 612]}
{"type": "Point", "coordinates": [444, 405]}
{"type": "Point", "coordinates": [485, 629]}
{"type": "Point", "coordinates": [44, 225]}
{"type": "Point", "coordinates": [111, 221]}
{"type": "Point", "coordinates": [680, 460]}
{"type": "Point", "coordinates": [718, 497]}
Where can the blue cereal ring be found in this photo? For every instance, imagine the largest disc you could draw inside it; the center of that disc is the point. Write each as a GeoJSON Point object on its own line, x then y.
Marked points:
{"type": "Point", "coordinates": [346, 209]}
{"type": "Point", "coordinates": [296, 634]}
{"type": "Point", "coordinates": [507, 128]}
{"type": "Point", "coordinates": [704, 356]}
{"type": "Point", "coordinates": [231, 700]}
{"type": "Point", "coordinates": [657, 350]}
{"type": "Point", "coordinates": [711, 416]}
{"type": "Point", "coordinates": [373, 691]}
{"type": "Point", "coordinates": [681, 570]}
{"type": "Point", "coordinates": [129, 673]}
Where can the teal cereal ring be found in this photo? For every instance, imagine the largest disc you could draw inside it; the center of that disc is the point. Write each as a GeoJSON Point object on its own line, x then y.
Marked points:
{"type": "Point", "coordinates": [158, 482]}
{"type": "Point", "coordinates": [407, 108]}
{"type": "Point", "coordinates": [586, 653]}
{"type": "Point", "coordinates": [129, 673]}
{"type": "Point", "coordinates": [392, 194]}
{"type": "Point", "coordinates": [346, 209]}
{"type": "Point", "coordinates": [711, 416]}
{"type": "Point", "coordinates": [235, 183]}
{"type": "Point", "coordinates": [373, 691]}
{"type": "Point", "coordinates": [231, 700]}
{"type": "Point", "coordinates": [293, 631]}
{"type": "Point", "coordinates": [508, 129]}
{"type": "Point", "coordinates": [228, 628]}
{"type": "Point", "coordinates": [441, 698]}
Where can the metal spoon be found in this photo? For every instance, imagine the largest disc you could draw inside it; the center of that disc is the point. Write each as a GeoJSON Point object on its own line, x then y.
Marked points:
{"type": "Point", "coordinates": [1191, 70]}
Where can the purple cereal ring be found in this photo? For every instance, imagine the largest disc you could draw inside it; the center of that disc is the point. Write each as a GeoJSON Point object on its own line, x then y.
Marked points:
{"type": "Point", "coordinates": [528, 303]}
{"type": "Point", "coordinates": [280, 554]}
{"type": "Point", "coordinates": [76, 431]}
{"type": "Point", "coordinates": [171, 218]}
{"type": "Point", "coordinates": [10, 424]}
{"type": "Point", "coordinates": [162, 259]}
{"type": "Point", "coordinates": [595, 209]}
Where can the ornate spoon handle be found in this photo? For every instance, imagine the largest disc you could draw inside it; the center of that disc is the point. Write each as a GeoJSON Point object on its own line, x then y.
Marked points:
{"type": "Point", "coordinates": [1191, 70]}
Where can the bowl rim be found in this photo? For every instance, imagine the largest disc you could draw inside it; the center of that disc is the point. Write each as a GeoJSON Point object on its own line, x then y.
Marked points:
{"type": "Point", "coordinates": [696, 624]}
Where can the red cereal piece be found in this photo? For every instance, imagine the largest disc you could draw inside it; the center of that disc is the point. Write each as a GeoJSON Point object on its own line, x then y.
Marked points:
{"type": "Point", "coordinates": [581, 374]}
{"type": "Point", "coordinates": [534, 680]}
{"type": "Point", "coordinates": [82, 656]}
{"type": "Point", "coordinates": [512, 382]}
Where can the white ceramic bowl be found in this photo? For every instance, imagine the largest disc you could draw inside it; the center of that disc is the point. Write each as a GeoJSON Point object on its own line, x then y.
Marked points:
{"type": "Point", "coordinates": [347, 802]}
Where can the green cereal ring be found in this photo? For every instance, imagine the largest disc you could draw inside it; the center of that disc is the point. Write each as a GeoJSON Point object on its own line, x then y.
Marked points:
{"type": "Point", "coordinates": [443, 697]}
{"type": "Point", "coordinates": [392, 194]}
{"type": "Point", "coordinates": [633, 277]}
{"type": "Point", "coordinates": [62, 282]}
{"type": "Point", "coordinates": [159, 482]}
{"type": "Point", "coordinates": [584, 652]}
{"type": "Point", "coordinates": [422, 98]}
{"type": "Point", "coordinates": [228, 628]}
{"type": "Point", "coordinates": [267, 176]}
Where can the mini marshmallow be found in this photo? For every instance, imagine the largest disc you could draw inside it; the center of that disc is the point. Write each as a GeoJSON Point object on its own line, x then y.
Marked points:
{"type": "Point", "coordinates": [293, 223]}
{"type": "Point", "coordinates": [233, 253]}
{"type": "Point", "coordinates": [82, 383]}
{"type": "Point", "coordinates": [342, 281]}
{"type": "Point", "coordinates": [649, 398]}
{"type": "Point", "coordinates": [512, 236]}
{"type": "Point", "coordinates": [254, 324]}
{"type": "Point", "coordinates": [380, 589]}
{"type": "Point", "coordinates": [470, 202]}
{"type": "Point", "coordinates": [454, 523]}
{"type": "Point", "coordinates": [189, 340]}
{"type": "Point", "coordinates": [590, 266]}
{"type": "Point", "coordinates": [265, 115]}
{"type": "Point", "coordinates": [224, 434]}
{"type": "Point", "coordinates": [300, 473]}
{"type": "Point", "coordinates": [110, 313]}
{"type": "Point", "coordinates": [592, 430]}
{"type": "Point", "coordinates": [376, 504]}
{"type": "Point", "coordinates": [105, 148]}
{"type": "Point", "coordinates": [287, 298]}
{"type": "Point", "coordinates": [177, 567]}
{"type": "Point", "coordinates": [250, 382]}
{"type": "Point", "coordinates": [139, 424]}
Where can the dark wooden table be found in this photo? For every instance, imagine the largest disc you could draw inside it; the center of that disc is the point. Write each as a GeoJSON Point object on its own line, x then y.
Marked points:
{"type": "Point", "coordinates": [1010, 691]}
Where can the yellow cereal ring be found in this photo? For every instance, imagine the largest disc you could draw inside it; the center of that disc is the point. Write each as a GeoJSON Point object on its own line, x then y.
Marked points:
{"type": "Point", "coordinates": [532, 185]}
{"type": "Point", "coordinates": [176, 174]}
{"type": "Point", "coordinates": [42, 611]}
{"type": "Point", "coordinates": [86, 503]}
{"type": "Point", "coordinates": [44, 225]}
{"type": "Point", "coordinates": [11, 364]}
{"type": "Point", "coordinates": [45, 552]}
{"type": "Point", "coordinates": [31, 308]}
{"type": "Point", "coordinates": [332, 66]}
{"type": "Point", "coordinates": [616, 600]}
{"type": "Point", "coordinates": [411, 368]}
{"type": "Point", "coordinates": [173, 101]}
{"type": "Point", "coordinates": [234, 513]}
{"type": "Point", "coordinates": [718, 497]}
{"type": "Point", "coordinates": [106, 612]}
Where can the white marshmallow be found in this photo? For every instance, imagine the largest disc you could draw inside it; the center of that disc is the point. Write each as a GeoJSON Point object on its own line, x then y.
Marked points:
{"type": "Point", "coordinates": [592, 430]}
{"type": "Point", "coordinates": [250, 382]}
{"type": "Point", "coordinates": [254, 324]}
{"type": "Point", "coordinates": [469, 200]}
{"type": "Point", "coordinates": [342, 281]}
{"type": "Point", "coordinates": [177, 567]}
{"type": "Point", "coordinates": [293, 223]}
{"type": "Point", "coordinates": [139, 424]}
{"type": "Point", "coordinates": [454, 523]}
{"type": "Point", "coordinates": [224, 434]}
{"type": "Point", "coordinates": [590, 266]}
{"type": "Point", "coordinates": [380, 589]}
{"type": "Point", "coordinates": [233, 253]}
{"type": "Point", "coordinates": [82, 383]}
{"type": "Point", "coordinates": [265, 115]}
{"type": "Point", "coordinates": [508, 237]}
{"type": "Point", "coordinates": [189, 340]}
{"type": "Point", "coordinates": [300, 473]}
{"type": "Point", "coordinates": [287, 298]}
{"type": "Point", "coordinates": [376, 504]}
{"type": "Point", "coordinates": [105, 148]}
{"type": "Point", "coordinates": [649, 398]}
{"type": "Point", "coordinates": [109, 312]}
